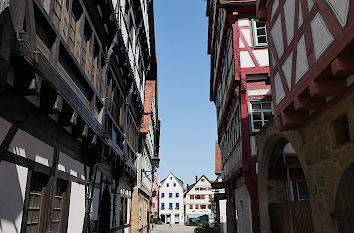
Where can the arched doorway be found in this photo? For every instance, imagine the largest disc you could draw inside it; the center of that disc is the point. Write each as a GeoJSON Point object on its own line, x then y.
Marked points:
{"type": "Point", "coordinates": [288, 197]}
{"type": "Point", "coordinates": [104, 212]}
{"type": "Point", "coordinates": [344, 204]}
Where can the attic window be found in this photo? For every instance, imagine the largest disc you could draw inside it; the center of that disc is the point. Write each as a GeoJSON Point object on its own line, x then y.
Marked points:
{"type": "Point", "coordinates": [202, 180]}
{"type": "Point", "coordinates": [171, 178]}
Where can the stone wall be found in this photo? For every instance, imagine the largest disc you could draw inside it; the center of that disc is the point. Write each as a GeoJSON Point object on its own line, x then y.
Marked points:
{"type": "Point", "coordinates": [324, 158]}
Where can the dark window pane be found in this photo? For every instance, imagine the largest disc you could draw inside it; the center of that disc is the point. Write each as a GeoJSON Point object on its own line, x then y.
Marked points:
{"type": "Point", "coordinates": [257, 116]}
{"type": "Point", "coordinates": [256, 106]}
{"type": "Point", "coordinates": [257, 125]}
{"type": "Point", "coordinates": [267, 116]}
{"type": "Point", "coordinates": [303, 191]}
{"type": "Point", "coordinates": [262, 39]}
{"type": "Point", "coordinates": [266, 106]}
{"type": "Point", "coordinates": [261, 31]}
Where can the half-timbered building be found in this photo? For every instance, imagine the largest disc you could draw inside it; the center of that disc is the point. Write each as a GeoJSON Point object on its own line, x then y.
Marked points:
{"type": "Point", "coordinates": [71, 103]}
{"type": "Point", "coordinates": [308, 188]}
{"type": "Point", "coordinates": [240, 89]}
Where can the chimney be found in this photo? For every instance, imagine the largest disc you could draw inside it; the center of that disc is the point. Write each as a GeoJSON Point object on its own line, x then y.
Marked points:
{"type": "Point", "coordinates": [187, 187]}
{"type": "Point", "coordinates": [196, 179]}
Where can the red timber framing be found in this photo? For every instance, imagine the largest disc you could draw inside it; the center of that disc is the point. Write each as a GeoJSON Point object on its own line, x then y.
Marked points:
{"type": "Point", "coordinates": [326, 30]}
{"type": "Point", "coordinates": [243, 172]}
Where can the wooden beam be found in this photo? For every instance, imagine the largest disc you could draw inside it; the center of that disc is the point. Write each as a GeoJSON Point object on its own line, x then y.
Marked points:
{"type": "Point", "coordinates": [325, 88]}
{"type": "Point", "coordinates": [35, 85]}
{"type": "Point", "coordinates": [343, 66]}
{"type": "Point", "coordinates": [306, 103]}
{"type": "Point", "coordinates": [294, 119]}
{"type": "Point", "coordinates": [262, 14]}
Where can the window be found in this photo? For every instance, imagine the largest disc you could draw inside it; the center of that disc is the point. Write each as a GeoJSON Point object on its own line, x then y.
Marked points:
{"type": "Point", "coordinates": [153, 205]}
{"type": "Point", "coordinates": [191, 197]}
{"type": "Point", "coordinates": [210, 197]}
{"type": "Point", "coordinates": [177, 195]}
{"type": "Point", "coordinates": [123, 211]}
{"type": "Point", "coordinates": [209, 206]}
{"type": "Point", "coordinates": [176, 218]}
{"type": "Point", "coordinates": [196, 188]}
{"type": "Point", "coordinates": [167, 185]}
{"type": "Point", "coordinates": [36, 196]}
{"type": "Point", "coordinates": [39, 193]}
{"type": "Point", "coordinates": [170, 206]}
{"type": "Point", "coordinates": [202, 189]}
{"type": "Point", "coordinates": [171, 178]}
{"type": "Point", "coordinates": [202, 196]}
{"type": "Point", "coordinates": [58, 204]}
{"type": "Point", "coordinates": [162, 206]}
{"type": "Point", "coordinates": [170, 195]}
{"type": "Point", "coordinates": [197, 196]}
{"type": "Point", "coordinates": [190, 206]}
{"type": "Point", "coordinates": [162, 195]}
{"type": "Point", "coordinates": [202, 179]}
{"type": "Point", "coordinates": [174, 184]}
{"type": "Point", "coordinates": [203, 207]}
{"type": "Point", "coordinates": [197, 206]}
{"type": "Point", "coordinates": [259, 33]}
{"type": "Point", "coordinates": [261, 112]}
{"type": "Point", "coordinates": [177, 206]}
{"type": "Point", "coordinates": [303, 192]}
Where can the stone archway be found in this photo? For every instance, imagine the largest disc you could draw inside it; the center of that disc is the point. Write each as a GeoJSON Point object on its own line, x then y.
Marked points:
{"type": "Point", "coordinates": [344, 202]}
{"type": "Point", "coordinates": [284, 204]}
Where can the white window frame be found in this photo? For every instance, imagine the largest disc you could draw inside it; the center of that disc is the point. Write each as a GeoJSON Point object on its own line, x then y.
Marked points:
{"type": "Point", "coordinates": [262, 111]}
{"type": "Point", "coordinates": [255, 34]}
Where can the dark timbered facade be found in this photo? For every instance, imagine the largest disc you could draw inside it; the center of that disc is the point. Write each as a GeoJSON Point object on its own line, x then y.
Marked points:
{"type": "Point", "coordinates": [72, 76]}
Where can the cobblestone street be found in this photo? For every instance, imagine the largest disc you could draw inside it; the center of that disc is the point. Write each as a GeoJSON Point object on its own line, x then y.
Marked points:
{"type": "Point", "coordinates": [174, 228]}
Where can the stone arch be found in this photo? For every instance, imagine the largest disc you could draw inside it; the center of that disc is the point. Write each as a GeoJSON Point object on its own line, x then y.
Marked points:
{"type": "Point", "coordinates": [344, 202]}
{"type": "Point", "coordinates": [270, 144]}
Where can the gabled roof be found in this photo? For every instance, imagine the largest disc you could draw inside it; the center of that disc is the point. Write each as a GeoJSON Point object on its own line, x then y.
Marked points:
{"type": "Point", "coordinates": [180, 182]}
{"type": "Point", "coordinates": [192, 185]}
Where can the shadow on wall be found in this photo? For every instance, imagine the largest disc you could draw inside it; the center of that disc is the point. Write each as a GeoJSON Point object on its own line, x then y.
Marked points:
{"type": "Point", "coordinates": [13, 181]}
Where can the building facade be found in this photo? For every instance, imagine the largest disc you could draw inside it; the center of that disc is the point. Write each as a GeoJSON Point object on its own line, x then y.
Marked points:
{"type": "Point", "coordinates": [240, 89]}
{"type": "Point", "coordinates": [171, 207]}
{"type": "Point", "coordinates": [71, 103]}
{"type": "Point", "coordinates": [147, 161]}
{"type": "Point", "coordinates": [306, 154]}
{"type": "Point", "coordinates": [197, 200]}
{"type": "Point", "coordinates": [218, 203]}
{"type": "Point", "coordinates": [155, 198]}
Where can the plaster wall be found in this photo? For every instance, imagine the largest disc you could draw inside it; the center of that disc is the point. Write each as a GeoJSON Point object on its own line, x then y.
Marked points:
{"type": "Point", "coordinates": [14, 178]}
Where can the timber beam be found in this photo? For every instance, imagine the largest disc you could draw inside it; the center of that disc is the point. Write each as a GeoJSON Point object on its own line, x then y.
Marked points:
{"type": "Point", "coordinates": [343, 66]}
{"type": "Point", "coordinates": [325, 88]}
{"type": "Point", "coordinates": [292, 119]}
{"type": "Point", "coordinates": [306, 103]}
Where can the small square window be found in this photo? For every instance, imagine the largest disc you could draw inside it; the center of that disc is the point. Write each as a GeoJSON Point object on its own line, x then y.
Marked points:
{"type": "Point", "coordinates": [170, 195]}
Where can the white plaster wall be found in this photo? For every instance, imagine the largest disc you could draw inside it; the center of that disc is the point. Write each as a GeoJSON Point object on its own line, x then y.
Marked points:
{"type": "Point", "coordinates": [171, 189]}
{"type": "Point", "coordinates": [76, 208]}
{"type": "Point", "coordinates": [14, 179]}
{"type": "Point", "coordinates": [32, 148]}
{"type": "Point", "coordinates": [246, 60]}
{"type": "Point", "coordinates": [192, 213]}
{"type": "Point", "coordinates": [244, 221]}
{"type": "Point", "coordinates": [223, 221]}
{"type": "Point", "coordinates": [71, 166]}
{"type": "Point", "coordinates": [4, 128]}
{"type": "Point", "coordinates": [261, 56]}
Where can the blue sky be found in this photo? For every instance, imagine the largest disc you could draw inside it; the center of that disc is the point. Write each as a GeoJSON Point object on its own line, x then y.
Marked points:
{"type": "Point", "coordinates": [188, 118]}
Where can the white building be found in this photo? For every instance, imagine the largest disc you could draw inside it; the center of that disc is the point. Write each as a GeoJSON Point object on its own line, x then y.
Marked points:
{"type": "Point", "coordinates": [197, 199]}
{"type": "Point", "coordinates": [171, 200]}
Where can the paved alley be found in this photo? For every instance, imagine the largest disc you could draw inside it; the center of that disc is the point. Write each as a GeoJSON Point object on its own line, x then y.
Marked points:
{"type": "Point", "coordinates": [174, 228]}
